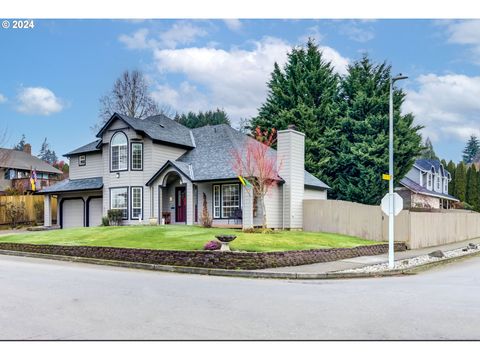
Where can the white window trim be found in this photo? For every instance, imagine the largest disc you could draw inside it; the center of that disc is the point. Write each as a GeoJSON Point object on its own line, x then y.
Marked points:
{"type": "Point", "coordinates": [119, 146]}
{"type": "Point", "coordinates": [80, 158]}
{"type": "Point", "coordinates": [429, 181]}
{"type": "Point", "coordinates": [219, 205]}
{"type": "Point", "coordinates": [132, 202]}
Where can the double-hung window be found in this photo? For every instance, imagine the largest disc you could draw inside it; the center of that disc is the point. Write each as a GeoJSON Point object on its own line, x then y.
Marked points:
{"type": "Point", "coordinates": [137, 202]}
{"type": "Point", "coordinates": [137, 156]}
{"type": "Point", "coordinates": [119, 200]}
{"type": "Point", "coordinates": [226, 200]}
{"type": "Point", "coordinates": [119, 152]}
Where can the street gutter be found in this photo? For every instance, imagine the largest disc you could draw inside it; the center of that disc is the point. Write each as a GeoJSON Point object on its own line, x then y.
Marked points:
{"type": "Point", "coordinates": [255, 274]}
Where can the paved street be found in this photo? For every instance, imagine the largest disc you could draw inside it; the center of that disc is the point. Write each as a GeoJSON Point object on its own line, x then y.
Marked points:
{"type": "Point", "coordinates": [43, 299]}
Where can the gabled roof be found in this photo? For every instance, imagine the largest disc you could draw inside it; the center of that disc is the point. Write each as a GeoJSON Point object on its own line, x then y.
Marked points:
{"type": "Point", "coordinates": [416, 188]}
{"type": "Point", "coordinates": [90, 147]}
{"type": "Point", "coordinates": [15, 159]}
{"type": "Point", "coordinates": [159, 128]}
{"type": "Point", "coordinates": [212, 157]}
{"type": "Point", "coordinates": [427, 164]}
{"type": "Point", "coordinates": [69, 185]}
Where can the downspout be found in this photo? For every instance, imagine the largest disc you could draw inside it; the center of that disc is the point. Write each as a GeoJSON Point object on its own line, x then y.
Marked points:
{"type": "Point", "coordinates": [283, 206]}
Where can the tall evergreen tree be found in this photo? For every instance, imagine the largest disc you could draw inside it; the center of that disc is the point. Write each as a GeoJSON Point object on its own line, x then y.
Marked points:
{"type": "Point", "coordinates": [460, 181]}
{"type": "Point", "coordinates": [21, 144]}
{"type": "Point", "coordinates": [451, 169]}
{"type": "Point", "coordinates": [427, 151]}
{"type": "Point", "coordinates": [46, 154]}
{"type": "Point", "coordinates": [304, 93]}
{"type": "Point", "coordinates": [471, 193]}
{"type": "Point", "coordinates": [472, 149]}
{"type": "Point", "coordinates": [194, 120]}
{"type": "Point", "coordinates": [364, 128]}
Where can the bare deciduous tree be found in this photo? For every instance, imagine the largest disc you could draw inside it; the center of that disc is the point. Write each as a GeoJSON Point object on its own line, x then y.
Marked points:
{"type": "Point", "coordinates": [129, 96]}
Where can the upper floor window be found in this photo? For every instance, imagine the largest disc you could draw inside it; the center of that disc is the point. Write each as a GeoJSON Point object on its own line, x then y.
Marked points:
{"type": "Point", "coordinates": [119, 152]}
{"type": "Point", "coordinates": [445, 185]}
{"type": "Point", "coordinates": [137, 156]}
{"type": "Point", "coordinates": [82, 160]}
{"type": "Point", "coordinates": [438, 183]}
{"type": "Point", "coordinates": [429, 181]}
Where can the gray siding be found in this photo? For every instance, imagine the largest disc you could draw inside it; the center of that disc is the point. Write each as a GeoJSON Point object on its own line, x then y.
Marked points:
{"type": "Point", "coordinates": [93, 167]}
{"type": "Point", "coordinates": [313, 194]}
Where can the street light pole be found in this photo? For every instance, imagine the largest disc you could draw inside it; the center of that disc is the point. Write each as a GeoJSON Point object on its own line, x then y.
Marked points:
{"type": "Point", "coordinates": [391, 207]}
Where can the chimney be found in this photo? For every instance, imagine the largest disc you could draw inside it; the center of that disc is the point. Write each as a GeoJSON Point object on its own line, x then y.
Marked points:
{"type": "Point", "coordinates": [27, 148]}
{"type": "Point", "coordinates": [291, 154]}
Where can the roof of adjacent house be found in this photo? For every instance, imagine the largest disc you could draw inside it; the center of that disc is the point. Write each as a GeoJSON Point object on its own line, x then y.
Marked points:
{"type": "Point", "coordinates": [159, 128]}
{"type": "Point", "coordinates": [70, 185]}
{"type": "Point", "coordinates": [427, 164]}
{"type": "Point", "coordinates": [90, 147]}
{"type": "Point", "coordinates": [212, 157]}
{"type": "Point", "coordinates": [15, 159]}
{"type": "Point", "coordinates": [416, 188]}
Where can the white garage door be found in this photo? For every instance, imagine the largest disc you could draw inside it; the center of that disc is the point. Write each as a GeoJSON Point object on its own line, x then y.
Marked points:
{"type": "Point", "coordinates": [95, 212]}
{"type": "Point", "coordinates": [72, 213]}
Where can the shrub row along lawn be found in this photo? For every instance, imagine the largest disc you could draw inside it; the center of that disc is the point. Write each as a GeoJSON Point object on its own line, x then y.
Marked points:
{"type": "Point", "coordinates": [181, 237]}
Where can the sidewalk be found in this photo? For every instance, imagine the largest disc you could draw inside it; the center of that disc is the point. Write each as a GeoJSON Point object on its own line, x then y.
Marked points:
{"type": "Point", "coordinates": [353, 263]}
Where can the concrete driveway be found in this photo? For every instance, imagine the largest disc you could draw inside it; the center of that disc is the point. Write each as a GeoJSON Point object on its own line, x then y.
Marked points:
{"type": "Point", "coordinates": [43, 299]}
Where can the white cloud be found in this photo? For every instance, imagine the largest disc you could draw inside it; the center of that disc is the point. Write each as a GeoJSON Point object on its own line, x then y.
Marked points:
{"type": "Point", "coordinates": [2, 99]}
{"type": "Point", "coordinates": [356, 32]}
{"type": "Point", "coordinates": [447, 105]}
{"type": "Point", "coordinates": [465, 32]}
{"type": "Point", "coordinates": [312, 32]}
{"type": "Point", "coordinates": [233, 24]}
{"type": "Point", "coordinates": [180, 33]}
{"type": "Point", "coordinates": [232, 79]}
{"type": "Point", "coordinates": [38, 101]}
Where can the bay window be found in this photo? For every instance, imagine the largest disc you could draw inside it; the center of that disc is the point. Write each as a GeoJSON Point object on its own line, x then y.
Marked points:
{"type": "Point", "coordinates": [119, 152]}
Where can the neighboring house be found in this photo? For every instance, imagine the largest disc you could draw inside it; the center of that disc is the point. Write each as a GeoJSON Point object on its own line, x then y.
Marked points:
{"type": "Point", "coordinates": [426, 186]}
{"type": "Point", "coordinates": [16, 167]}
{"type": "Point", "coordinates": [156, 169]}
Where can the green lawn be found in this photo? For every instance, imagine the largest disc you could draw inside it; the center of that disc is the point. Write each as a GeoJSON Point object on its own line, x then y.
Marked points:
{"type": "Point", "coordinates": [181, 237]}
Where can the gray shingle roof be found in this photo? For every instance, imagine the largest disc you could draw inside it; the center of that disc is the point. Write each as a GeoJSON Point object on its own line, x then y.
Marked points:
{"type": "Point", "coordinates": [413, 186]}
{"type": "Point", "coordinates": [427, 164]}
{"type": "Point", "coordinates": [212, 157]}
{"type": "Point", "coordinates": [91, 147]}
{"type": "Point", "coordinates": [74, 185]}
{"type": "Point", "coordinates": [158, 127]}
{"type": "Point", "coordinates": [14, 159]}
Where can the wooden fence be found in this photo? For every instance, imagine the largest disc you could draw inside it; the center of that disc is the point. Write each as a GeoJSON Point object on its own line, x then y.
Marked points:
{"type": "Point", "coordinates": [417, 229]}
{"type": "Point", "coordinates": [30, 215]}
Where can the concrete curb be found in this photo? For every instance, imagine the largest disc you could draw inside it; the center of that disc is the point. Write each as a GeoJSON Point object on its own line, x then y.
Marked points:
{"type": "Point", "coordinates": [255, 274]}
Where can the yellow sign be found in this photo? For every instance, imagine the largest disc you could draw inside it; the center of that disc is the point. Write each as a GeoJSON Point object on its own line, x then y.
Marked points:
{"type": "Point", "coordinates": [385, 176]}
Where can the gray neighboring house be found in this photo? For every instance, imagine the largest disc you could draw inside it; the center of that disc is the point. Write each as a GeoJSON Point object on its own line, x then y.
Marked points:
{"type": "Point", "coordinates": [16, 167]}
{"type": "Point", "coordinates": [426, 186]}
{"type": "Point", "coordinates": [156, 171]}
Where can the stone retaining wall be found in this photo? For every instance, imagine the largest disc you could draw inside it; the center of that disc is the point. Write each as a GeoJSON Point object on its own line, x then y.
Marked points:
{"type": "Point", "coordinates": [207, 259]}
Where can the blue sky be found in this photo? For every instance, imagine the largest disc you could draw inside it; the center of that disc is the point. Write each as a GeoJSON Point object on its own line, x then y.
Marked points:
{"type": "Point", "coordinates": [53, 75]}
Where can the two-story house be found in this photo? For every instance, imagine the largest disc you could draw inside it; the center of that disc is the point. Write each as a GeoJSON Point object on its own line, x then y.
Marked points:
{"type": "Point", "coordinates": [156, 170]}
{"type": "Point", "coordinates": [16, 169]}
{"type": "Point", "coordinates": [426, 186]}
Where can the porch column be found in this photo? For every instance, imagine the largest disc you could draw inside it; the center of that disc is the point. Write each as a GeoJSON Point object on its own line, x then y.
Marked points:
{"type": "Point", "coordinates": [190, 211]}
{"type": "Point", "coordinates": [47, 210]}
{"type": "Point", "coordinates": [247, 211]}
{"type": "Point", "coordinates": [160, 204]}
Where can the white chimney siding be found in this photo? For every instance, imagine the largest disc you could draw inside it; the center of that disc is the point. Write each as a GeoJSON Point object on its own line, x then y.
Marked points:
{"type": "Point", "coordinates": [291, 156]}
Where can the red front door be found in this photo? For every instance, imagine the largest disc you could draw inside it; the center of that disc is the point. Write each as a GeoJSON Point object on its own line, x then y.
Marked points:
{"type": "Point", "coordinates": [180, 205]}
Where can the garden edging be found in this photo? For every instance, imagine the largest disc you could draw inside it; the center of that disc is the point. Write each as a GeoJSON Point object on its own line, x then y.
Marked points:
{"type": "Point", "coordinates": [205, 259]}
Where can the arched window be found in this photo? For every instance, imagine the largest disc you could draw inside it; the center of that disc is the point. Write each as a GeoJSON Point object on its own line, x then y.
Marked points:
{"type": "Point", "coordinates": [119, 152]}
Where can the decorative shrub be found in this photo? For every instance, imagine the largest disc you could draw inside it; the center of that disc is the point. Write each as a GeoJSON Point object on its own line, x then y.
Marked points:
{"type": "Point", "coordinates": [212, 245]}
{"type": "Point", "coordinates": [39, 211]}
{"type": "Point", "coordinates": [258, 231]}
{"type": "Point", "coordinates": [15, 213]}
{"type": "Point", "coordinates": [205, 218]}
{"type": "Point", "coordinates": [105, 221]}
{"type": "Point", "coordinates": [115, 216]}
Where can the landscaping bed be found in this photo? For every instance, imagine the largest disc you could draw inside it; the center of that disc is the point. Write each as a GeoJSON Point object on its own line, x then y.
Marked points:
{"type": "Point", "coordinates": [205, 259]}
